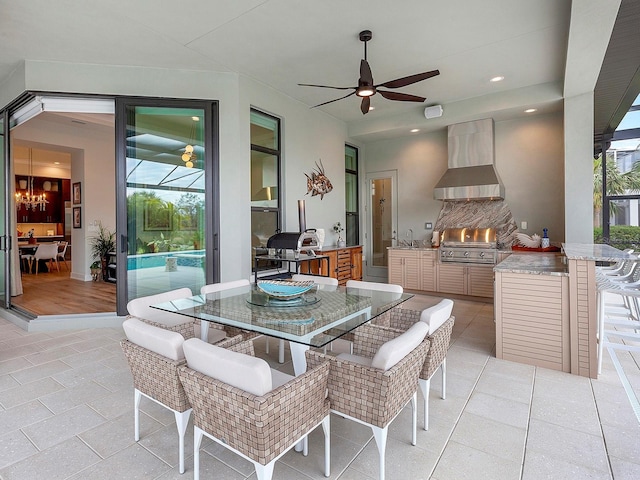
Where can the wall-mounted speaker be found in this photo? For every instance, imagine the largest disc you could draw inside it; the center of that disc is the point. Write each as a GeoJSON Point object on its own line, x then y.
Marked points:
{"type": "Point", "coordinates": [433, 112]}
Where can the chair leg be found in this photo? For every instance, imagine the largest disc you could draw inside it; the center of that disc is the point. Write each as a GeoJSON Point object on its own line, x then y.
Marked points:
{"type": "Point", "coordinates": [425, 386]}
{"type": "Point", "coordinates": [380, 435]}
{"type": "Point", "coordinates": [136, 414]}
{"type": "Point", "coordinates": [197, 440]}
{"type": "Point", "coordinates": [443, 366]}
{"type": "Point", "coordinates": [326, 428]}
{"type": "Point", "coordinates": [182, 419]}
{"type": "Point", "coordinates": [414, 419]}
{"type": "Point", "coordinates": [280, 351]}
{"type": "Point", "coordinates": [266, 345]}
{"type": "Point", "coordinates": [264, 472]}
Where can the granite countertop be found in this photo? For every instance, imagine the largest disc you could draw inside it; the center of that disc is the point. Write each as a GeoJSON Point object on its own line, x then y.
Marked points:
{"type": "Point", "coordinates": [538, 264]}
{"type": "Point", "coordinates": [588, 251]}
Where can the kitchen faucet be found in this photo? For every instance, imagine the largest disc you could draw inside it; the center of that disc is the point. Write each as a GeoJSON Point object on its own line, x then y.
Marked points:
{"type": "Point", "coordinates": [410, 235]}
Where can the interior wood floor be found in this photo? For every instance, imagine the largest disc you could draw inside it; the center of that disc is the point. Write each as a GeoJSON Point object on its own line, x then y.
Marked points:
{"type": "Point", "coordinates": [55, 293]}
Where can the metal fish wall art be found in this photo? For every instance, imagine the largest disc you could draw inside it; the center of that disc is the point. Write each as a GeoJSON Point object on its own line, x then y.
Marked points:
{"type": "Point", "coordinates": [317, 182]}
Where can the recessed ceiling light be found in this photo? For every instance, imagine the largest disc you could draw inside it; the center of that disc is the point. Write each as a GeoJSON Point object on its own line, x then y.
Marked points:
{"type": "Point", "coordinates": [56, 163]}
{"type": "Point", "coordinates": [530, 110]}
{"type": "Point", "coordinates": [498, 78]}
{"type": "Point", "coordinates": [414, 130]}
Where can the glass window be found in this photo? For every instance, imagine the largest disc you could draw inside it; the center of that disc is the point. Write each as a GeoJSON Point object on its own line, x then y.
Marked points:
{"type": "Point", "coordinates": [352, 228]}
{"type": "Point", "coordinates": [265, 178]}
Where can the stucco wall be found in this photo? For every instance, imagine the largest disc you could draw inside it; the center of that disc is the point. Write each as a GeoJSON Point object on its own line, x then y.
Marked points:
{"type": "Point", "coordinates": [529, 159]}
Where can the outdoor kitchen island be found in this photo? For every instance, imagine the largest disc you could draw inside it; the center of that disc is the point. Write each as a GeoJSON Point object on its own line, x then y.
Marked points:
{"type": "Point", "coordinates": [545, 307]}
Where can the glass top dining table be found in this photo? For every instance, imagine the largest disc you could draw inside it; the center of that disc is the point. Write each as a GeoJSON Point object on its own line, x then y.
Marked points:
{"type": "Point", "coordinates": [315, 319]}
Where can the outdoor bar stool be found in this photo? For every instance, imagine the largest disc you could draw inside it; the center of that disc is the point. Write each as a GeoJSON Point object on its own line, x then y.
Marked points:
{"type": "Point", "coordinates": [614, 269]}
{"type": "Point", "coordinates": [373, 385]}
{"type": "Point", "coordinates": [440, 323]}
{"type": "Point", "coordinates": [241, 404]}
{"type": "Point", "coordinates": [624, 315]}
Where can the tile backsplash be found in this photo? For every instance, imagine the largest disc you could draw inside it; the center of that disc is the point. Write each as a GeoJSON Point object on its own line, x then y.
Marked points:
{"type": "Point", "coordinates": [480, 214]}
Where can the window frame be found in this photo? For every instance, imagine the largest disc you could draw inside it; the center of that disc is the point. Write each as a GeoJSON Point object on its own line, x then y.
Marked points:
{"type": "Point", "coordinates": [354, 214]}
{"type": "Point", "coordinates": [276, 153]}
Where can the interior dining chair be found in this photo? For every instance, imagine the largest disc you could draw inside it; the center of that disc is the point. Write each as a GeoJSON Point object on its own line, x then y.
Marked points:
{"type": "Point", "coordinates": [243, 405]}
{"type": "Point", "coordinates": [47, 252]}
{"type": "Point", "coordinates": [440, 322]}
{"type": "Point", "coordinates": [187, 327]}
{"type": "Point", "coordinates": [374, 384]}
{"type": "Point", "coordinates": [62, 252]}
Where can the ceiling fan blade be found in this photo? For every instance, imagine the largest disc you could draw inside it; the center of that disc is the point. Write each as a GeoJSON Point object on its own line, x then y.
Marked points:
{"type": "Point", "coordinates": [366, 76]}
{"type": "Point", "coordinates": [334, 100]}
{"type": "Point", "coordinates": [404, 81]}
{"type": "Point", "coordinates": [401, 97]}
{"type": "Point", "coordinates": [325, 86]}
{"type": "Point", "coordinates": [364, 106]}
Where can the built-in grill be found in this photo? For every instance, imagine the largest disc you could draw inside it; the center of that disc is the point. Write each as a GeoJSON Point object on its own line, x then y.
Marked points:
{"type": "Point", "coordinates": [469, 245]}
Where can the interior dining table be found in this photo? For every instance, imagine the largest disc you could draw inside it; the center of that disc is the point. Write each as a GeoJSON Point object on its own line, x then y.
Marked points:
{"type": "Point", "coordinates": [27, 248]}
{"type": "Point", "coordinates": [314, 319]}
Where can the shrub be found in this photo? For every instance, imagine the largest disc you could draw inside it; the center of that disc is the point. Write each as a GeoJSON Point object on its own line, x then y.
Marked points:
{"type": "Point", "coordinates": [620, 236]}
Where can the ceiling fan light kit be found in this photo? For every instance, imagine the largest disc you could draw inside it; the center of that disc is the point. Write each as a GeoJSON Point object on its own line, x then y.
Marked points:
{"type": "Point", "coordinates": [366, 88]}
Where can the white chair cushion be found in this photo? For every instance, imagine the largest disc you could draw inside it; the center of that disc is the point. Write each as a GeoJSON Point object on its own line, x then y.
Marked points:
{"type": "Point", "coordinates": [141, 307]}
{"type": "Point", "coordinates": [158, 340]}
{"type": "Point", "coordinates": [366, 361]}
{"type": "Point", "coordinates": [438, 314]}
{"type": "Point", "coordinates": [218, 287]}
{"type": "Point", "coordinates": [382, 287]}
{"type": "Point", "coordinates": [214, 335]}
{"type": "Point", "coordinates": [395, 350]}
{"type": "Point", "coordinates": [245, 372]}
{"type": "Point", "coordinates": [279, 378]}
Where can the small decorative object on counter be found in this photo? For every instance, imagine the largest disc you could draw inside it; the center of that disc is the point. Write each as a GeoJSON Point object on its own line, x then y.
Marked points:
{"type": "Point", "coordinates": [435, 239]}
{"type": "Point", "coordinates": [337, 227]}
{"type": "Point", "coordinates": [545, 238]}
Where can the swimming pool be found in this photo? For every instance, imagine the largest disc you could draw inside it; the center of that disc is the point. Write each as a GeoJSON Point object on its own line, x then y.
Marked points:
{"type": "Point", "coordinates": [189, 258]}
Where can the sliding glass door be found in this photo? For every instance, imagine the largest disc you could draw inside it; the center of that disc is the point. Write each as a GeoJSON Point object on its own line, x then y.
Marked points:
{"type": "Point", "coordinates": [167, 197]}
{"type": "Point", "coordinates": [4, 216]}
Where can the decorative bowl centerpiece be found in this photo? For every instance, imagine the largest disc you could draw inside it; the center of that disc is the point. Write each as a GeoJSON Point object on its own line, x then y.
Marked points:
{"type": "Point", "coordinates": [284, 290]}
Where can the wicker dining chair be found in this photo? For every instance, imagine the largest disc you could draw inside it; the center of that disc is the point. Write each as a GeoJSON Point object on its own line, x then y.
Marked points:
{"type": "Point", "coordinates": [373, 385]}
{"type": "Point", "coordinates": [239, 403]}
{"type": "Point", "coordinates": [187, 327]}
{"type": "Point", "coordinates": [440, 323]}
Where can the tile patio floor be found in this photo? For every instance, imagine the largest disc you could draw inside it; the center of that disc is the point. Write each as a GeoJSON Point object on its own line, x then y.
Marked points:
{"type": "Point", "coordinates": [66, 412]}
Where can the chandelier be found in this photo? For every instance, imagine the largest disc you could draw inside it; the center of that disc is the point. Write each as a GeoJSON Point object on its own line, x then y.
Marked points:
{"type": "Point", "coordinates": [189, 156]}
{"type": "Point", "coordinates": [29, 199]}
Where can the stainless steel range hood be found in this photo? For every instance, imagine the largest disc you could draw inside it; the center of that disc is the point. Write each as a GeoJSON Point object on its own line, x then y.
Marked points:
{"type": "Point", "coordinates": [471, 174]}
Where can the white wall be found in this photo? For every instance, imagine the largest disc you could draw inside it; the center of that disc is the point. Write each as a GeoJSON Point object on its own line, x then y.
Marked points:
{"type": "Point", "coordinates": [578, 158]}
{"type": "Point", "coordinates": [529, 160]}
{"type": "Point", "coordinates": [308, 135]}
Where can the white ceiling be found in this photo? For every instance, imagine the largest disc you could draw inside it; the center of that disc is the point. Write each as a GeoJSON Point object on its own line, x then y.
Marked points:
{"type": "Point", "coordinates": [284, 42]}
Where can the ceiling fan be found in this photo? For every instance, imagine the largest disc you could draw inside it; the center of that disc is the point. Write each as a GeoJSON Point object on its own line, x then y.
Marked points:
{"type": "Point", "coordinates": [366, 89]}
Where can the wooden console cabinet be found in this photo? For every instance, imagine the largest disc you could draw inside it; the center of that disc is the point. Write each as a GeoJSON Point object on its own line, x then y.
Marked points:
{"type": "Point", "coordinates": [344, 263]}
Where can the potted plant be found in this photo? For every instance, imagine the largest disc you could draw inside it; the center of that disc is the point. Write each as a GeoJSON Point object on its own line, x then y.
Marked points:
{"type": "Point", "coordinates": [96, 269]}
{"type": "Point", "coordinates": [337, 227]}
{"type": "Point", "coordinates": [101, 245]}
